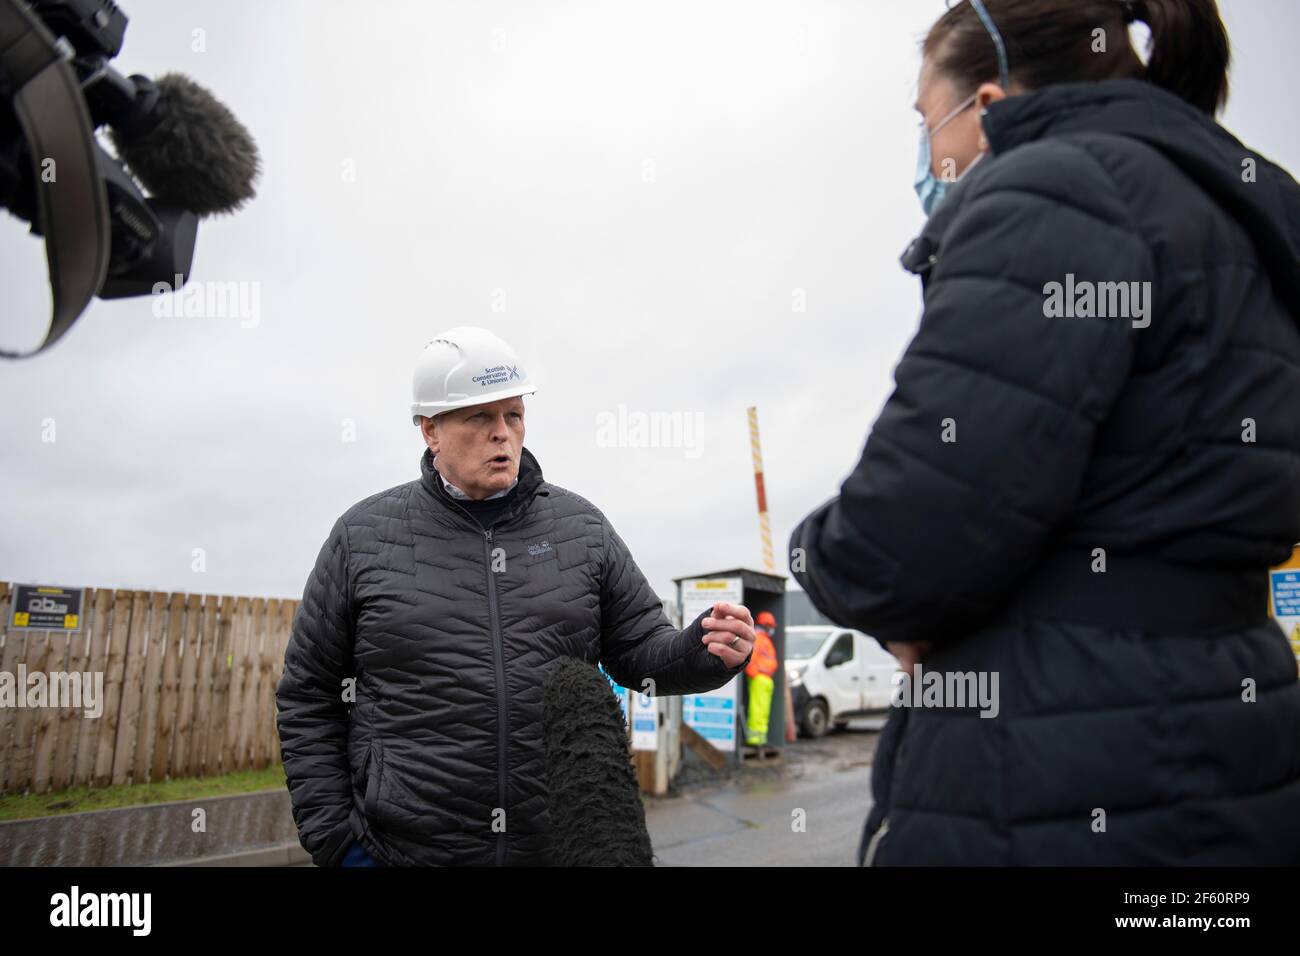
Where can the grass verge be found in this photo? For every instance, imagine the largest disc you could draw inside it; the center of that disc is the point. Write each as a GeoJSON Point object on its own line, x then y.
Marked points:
{"type": "Point", "coordinates": [80, 799]}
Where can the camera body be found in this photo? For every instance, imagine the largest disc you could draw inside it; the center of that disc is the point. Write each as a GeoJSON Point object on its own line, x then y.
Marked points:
{"type": "Point", "coordinates": [150, 241]}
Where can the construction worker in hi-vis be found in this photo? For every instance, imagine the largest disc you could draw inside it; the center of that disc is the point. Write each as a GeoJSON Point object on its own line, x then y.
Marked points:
{"type": "Point", "coordinates": [760, 672]}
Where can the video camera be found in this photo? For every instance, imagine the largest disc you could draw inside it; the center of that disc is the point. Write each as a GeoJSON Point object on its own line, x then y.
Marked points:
{"type": "Point", "coordinates": [103, 236]}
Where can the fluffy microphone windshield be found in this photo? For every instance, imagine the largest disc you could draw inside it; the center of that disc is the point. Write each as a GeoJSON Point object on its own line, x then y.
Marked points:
{"type": "Point", "coordinates": [197, 155]}
{"type": "Point", "coordinates": [595, 807]}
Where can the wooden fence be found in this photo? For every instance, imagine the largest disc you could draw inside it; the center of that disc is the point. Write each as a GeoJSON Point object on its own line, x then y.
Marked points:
{"type": "Point", "coordinates": [188, 690]}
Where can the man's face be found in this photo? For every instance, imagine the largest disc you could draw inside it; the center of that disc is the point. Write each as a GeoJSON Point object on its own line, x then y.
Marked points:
{"type": "Point", "coordinates": [478, 447]}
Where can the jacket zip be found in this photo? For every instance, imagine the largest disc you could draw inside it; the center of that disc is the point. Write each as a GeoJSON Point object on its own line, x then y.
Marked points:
{"type": "Point", "coordinates": [875, 841]}
{"type": "Point", "coordinates": [498, 661]}
{"type": "Point", "coordinates": [499, 666]}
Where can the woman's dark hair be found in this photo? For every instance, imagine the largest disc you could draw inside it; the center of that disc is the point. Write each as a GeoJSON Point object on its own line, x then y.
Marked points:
{"type": "Point", "coordinates": [1055, 41]}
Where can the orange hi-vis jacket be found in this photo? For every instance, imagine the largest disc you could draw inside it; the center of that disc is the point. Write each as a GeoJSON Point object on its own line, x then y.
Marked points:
{"type": "Point", "coordinates": [763, 660]}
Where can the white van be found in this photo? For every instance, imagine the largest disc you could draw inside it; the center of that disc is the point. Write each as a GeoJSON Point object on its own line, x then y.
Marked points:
{"type": "Point", "coordinates": [835, 673]}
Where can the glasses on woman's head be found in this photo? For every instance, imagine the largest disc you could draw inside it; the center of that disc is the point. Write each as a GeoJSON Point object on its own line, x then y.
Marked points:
{"type": "Point", "coordinates": [995, 35]}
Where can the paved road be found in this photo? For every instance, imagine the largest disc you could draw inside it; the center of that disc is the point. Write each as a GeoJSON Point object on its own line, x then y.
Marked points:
{"type": "Point", "coordinates": [750, 821]}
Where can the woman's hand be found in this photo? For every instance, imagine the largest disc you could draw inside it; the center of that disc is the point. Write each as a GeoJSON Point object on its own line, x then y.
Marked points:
{"type": "Point", "coordinates": [909, 653]}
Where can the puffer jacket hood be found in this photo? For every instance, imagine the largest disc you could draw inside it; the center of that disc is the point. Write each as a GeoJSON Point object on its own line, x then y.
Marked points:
{"type": "Point", "coordinates": [1265, 199]}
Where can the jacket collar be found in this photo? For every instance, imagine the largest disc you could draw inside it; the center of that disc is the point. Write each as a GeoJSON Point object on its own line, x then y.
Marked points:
{"type": "Point", "coordinates": [460, 495]}
{"type": "Point", "coordinates": [1269, 208]}
{"type": "Point", "coordinates": [1053, 110]}
{"type": "Point", "coordinates": [1266, 204]}
{"type": "Point", "coordinates": [530, 484]}
{"type": "Point", "coordinates": [1112, 105]}
{"type": "Point", "coordinates": [922, 253]}
{"type": "Point", "coordinates": [1132, 108]}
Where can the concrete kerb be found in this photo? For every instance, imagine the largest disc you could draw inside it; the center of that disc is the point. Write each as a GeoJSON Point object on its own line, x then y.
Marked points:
{"type": "Point", "coordinates": [247, 829]}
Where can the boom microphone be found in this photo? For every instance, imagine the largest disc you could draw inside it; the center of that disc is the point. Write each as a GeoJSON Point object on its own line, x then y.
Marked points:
{"type": "Point", "coordinates": [189, 150]}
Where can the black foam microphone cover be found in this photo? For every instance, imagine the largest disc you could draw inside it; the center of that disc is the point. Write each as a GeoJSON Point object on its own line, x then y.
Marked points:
{"type": "Point", "coordinates": [596, 816]}
{"type": "Point", "coordinates": [191, 152]}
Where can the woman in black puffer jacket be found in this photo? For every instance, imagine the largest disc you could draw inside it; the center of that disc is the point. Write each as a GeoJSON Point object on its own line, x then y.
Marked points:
{"type": "Point", "coordinates": [1090, 460]}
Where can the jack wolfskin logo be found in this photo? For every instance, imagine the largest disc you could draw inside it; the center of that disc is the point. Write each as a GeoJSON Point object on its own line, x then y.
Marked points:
{"type": "Point", "coordinates": [543, 547]}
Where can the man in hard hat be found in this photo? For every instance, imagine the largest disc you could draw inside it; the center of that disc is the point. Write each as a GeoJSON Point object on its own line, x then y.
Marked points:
{"type": "Point", "coordinates": [410, 709]}
{"type": "Point", "coordinates": [760, 675]}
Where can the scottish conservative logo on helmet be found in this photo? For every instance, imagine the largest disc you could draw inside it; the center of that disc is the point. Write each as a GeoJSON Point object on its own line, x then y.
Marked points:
{"type": "Point", "coordinates": [498, 375]}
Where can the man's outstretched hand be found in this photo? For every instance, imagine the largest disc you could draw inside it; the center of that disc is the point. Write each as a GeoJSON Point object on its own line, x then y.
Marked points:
{"type": "Point", "coordinates": [729, 622]}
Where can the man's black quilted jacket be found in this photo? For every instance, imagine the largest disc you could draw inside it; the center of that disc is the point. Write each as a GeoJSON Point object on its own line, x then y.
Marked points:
{"type": "Point", "coordinates": [450, 632]}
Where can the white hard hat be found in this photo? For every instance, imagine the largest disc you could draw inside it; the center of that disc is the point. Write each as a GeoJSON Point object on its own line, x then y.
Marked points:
{"type": "Point", "coordinates": [465, 366]}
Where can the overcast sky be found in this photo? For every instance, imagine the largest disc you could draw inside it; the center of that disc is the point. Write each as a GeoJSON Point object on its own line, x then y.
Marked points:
{"type": "Point", "coordinates": [639, 196]}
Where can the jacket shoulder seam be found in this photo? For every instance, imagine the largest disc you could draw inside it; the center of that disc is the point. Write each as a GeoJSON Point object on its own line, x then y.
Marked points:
{"type": "Point", "coordinates": [1081, 146]}
{"type": "Point", "coordinates": [990, 184]}
{"type": "Point", "coordinates": [363, 506]}
{"type": "Point", "coordinates": [586, 505]}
